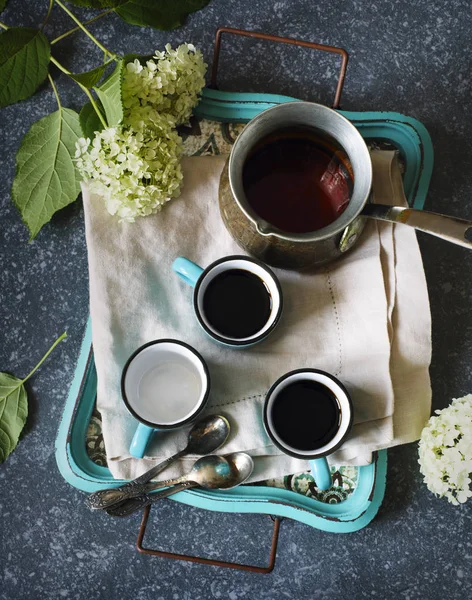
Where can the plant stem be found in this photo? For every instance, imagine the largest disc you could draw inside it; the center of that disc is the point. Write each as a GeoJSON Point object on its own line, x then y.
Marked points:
{"type": "Point", "coordinates": [54, 89]}
{"type": "Point", "coordinates": [3, 26]}
{"type": "Point", "coordinates": [59, 66]}
{"type": "Point", "coordinates": [59, 339]}
{"type": "Point", "coordinates": [84, 29]}
{"type": "Point", "coordinates": [51, 4]}
{"type": "Point", "coordinates": [95, 106]}
{"type": "Point", "coordinates": [84, 89]}
{"type": "Point", "coordinates": [64, 35]}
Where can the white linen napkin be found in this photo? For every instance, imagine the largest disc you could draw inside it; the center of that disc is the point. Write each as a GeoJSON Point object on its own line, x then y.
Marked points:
{"type": "Point", "coordinates": [365, 318]}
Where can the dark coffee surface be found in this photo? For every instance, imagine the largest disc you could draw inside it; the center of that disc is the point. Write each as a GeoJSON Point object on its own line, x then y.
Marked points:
{"type": "Point", "coordinates": [296, 183]}
{"type": "Point", "coordinates": [306, 415]}
{"type": "Point", "coordinates": [237, 303]}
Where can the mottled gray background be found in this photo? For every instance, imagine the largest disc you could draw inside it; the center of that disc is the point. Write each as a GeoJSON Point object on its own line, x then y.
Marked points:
{"type": "Point", "coordinates": [408, 56]}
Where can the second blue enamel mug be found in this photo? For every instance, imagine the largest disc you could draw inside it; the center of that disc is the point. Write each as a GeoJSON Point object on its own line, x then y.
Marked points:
{"type": "Point", "coordinates": [227, 296]}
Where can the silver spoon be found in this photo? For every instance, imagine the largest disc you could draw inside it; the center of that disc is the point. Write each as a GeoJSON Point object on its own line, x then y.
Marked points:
{"type": "Point", "coordinates": [209, 472]}
{"type": "Point", "coordinates": [206, 436]}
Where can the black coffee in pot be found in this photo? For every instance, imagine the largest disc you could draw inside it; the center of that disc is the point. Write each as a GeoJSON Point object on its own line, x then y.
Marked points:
{"type": "Point", "coordinates": [237, 303]}
{"type": "Point", "coordinates": [306, 415]}
{"type": "Point", "coordinates": [297, 181]}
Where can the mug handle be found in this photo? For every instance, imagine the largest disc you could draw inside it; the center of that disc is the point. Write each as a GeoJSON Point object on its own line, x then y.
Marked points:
{"type": "Point", "coordinates": [187, 270]}
{"type": "Point", "coordinates": [321, 473]}
{"type": "Point", "coordinates": [140, 440]}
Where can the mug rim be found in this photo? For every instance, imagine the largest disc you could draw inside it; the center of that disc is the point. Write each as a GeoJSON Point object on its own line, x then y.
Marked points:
{"type": "Point", "coordinates": [339, 224]}
{"type": "Point", "coordinates": [231, 341]}
{"type": "Point", "coordinates": [191, 417]}
{"type": "Point", "coordinates": [301, 454]}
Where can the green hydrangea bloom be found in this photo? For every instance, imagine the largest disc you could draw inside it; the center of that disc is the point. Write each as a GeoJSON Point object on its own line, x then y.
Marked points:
{"type": "Point", "coordinates": [135, 167]}
{"type": "Point", "coordinates": [135, 171]}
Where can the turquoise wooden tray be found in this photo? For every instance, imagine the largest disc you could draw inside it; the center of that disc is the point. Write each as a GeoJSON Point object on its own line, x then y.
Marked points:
{"type": "Point", "coordinates": [414, 144]}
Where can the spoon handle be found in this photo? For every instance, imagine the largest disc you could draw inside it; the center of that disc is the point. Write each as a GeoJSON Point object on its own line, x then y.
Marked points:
{"type": "Point", "coordinates": [104, 498]}
{"type": "Point", "coordinates": [132, 505]}
{"type": "Point", "coordinates": [451, 229]}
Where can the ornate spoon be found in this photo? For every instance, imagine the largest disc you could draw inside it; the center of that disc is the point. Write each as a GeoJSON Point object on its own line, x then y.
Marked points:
{"type": "Point", "coordinates": [206, 436]}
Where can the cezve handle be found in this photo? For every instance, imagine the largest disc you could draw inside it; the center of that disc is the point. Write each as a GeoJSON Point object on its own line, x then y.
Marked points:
{"type": "Point", "coordinates": [451, 229]}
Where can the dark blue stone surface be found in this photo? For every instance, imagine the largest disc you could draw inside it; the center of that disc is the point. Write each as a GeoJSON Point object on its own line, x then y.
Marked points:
{"type": "Point", "coordinates": [407, 56]}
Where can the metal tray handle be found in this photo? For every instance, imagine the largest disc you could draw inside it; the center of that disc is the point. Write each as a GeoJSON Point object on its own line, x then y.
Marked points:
{"type": "Point", "coordinates": [209, 561]}
{"type": "Point", "coordinates": [274, 38]}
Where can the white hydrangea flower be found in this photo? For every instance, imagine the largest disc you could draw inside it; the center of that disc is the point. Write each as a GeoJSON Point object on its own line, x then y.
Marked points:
{"type": "Point", "coordinates": [168, 83]}
{"type": "Point", "coordinates": [135, 169]}
{"type": "Point", "coordinates": [445, 451]}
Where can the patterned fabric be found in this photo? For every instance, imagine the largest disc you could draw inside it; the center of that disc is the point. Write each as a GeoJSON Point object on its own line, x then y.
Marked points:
{"type": "Point", "coordinates": [94, 440]}
{"type": "Point", "coordinates": [203, 138]}
{"type": "Point", "coordinates": [344, 483]}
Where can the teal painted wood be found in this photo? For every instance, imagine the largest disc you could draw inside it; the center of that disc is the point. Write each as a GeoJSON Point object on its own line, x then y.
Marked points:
{"type": "Point", "coordinates": [414, 143]}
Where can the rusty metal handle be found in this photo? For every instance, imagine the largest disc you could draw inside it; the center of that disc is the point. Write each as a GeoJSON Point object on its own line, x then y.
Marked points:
{"type": "Point", "coordinates": [209, 561]}
{"type": "Point", "coordinates": [273, 38]}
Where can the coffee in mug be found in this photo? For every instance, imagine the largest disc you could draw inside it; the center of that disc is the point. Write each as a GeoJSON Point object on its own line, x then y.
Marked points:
{"type": "Point", "coordinates": [237, 300]}
{"type": "Point", "coordinates": [246, 302]}
{"type": "Point", "coordinates": [308, 414]}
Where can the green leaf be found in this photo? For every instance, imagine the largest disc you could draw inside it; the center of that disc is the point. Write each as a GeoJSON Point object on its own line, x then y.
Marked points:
{"type": "Point", "coordinates": [46, 179]}
{"type": "Point", "coordinates": [90, 78]}
{"type": "Point", "coordinates": [162, 14]}
{"type": "Point", "coordinates": [89, 121]}
{"type": "Point", "coordinates": [13, 413]}
{"type": "Point", "coordinates": [24, 61]}
{"type": "Point", "coordinates": [109, 93]}
{"type": "Point", "coordinates": [3, 3]}
{"type": "Point", "coordinates": [14, 406]}
{"type": "Point", "coordinates": [98, 3]}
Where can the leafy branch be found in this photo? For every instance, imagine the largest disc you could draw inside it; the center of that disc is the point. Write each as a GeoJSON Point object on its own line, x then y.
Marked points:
{"type": "Point", "coordinates": [83, 28]}
{"type": "Point", "coordinates": [75, 29]}
{"type": "Point", "coordinates": [14, 406]}
{"type": "Point", "coordinates": [46, 178]}
{"type": "Point", "coordinates": [82, 86]}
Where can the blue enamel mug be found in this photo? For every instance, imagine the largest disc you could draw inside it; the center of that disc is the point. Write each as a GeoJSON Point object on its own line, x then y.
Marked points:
{"type": "Point", "coordinates": [239, 311]}
{"type": "Point", "coordinates": [308, 414]}
{"type": "Point", "coordinates": [165, 385]}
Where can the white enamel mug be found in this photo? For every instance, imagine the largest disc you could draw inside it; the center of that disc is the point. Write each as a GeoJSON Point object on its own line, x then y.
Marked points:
{"type": "Point", "coordinates": [200, 279]}
{"type": "Point", "coordinates": [165, 385]}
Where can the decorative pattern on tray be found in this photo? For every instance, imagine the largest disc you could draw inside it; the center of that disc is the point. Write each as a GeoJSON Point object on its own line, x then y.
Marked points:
{"type": "Point", "coordinates": [202, 138]}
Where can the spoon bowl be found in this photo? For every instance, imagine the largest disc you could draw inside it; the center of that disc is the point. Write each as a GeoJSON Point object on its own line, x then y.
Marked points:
{"type": "Point", "coordinates": [242, 467]}
{"type": "Point", "coordinates": [207, 435]}
{"type": "Point", "coordinates": [209, 472]}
